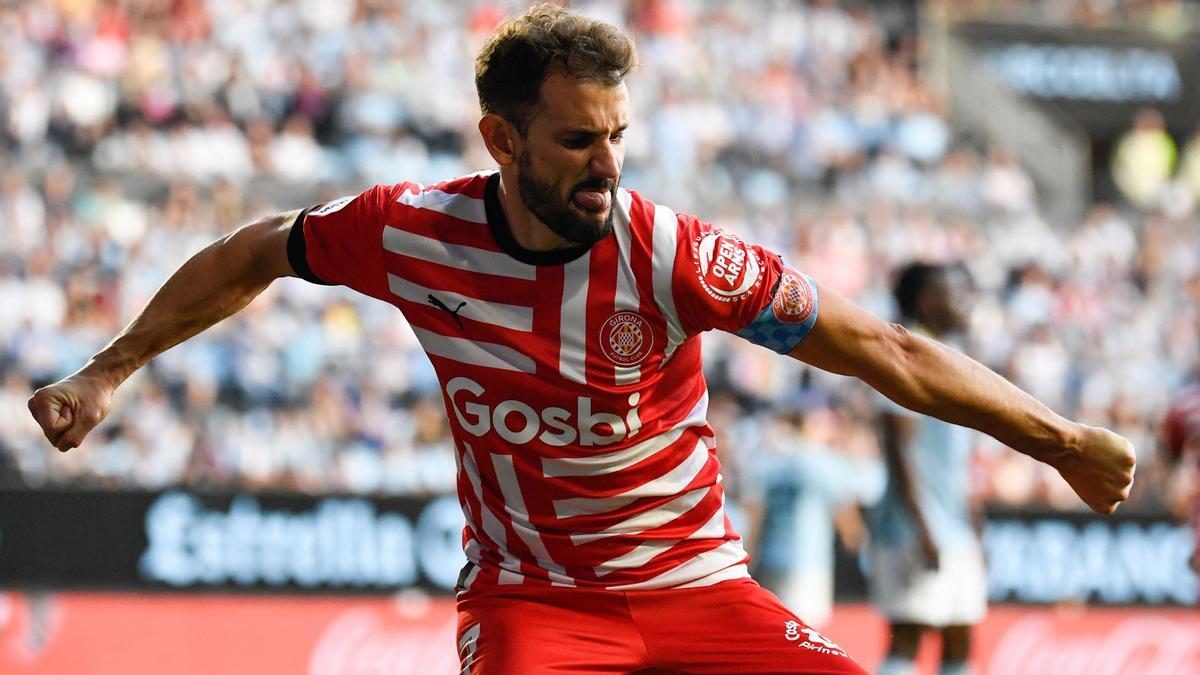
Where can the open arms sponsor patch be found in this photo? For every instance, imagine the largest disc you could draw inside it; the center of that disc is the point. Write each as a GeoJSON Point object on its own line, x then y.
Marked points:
{"type": "Point", "coordinates": [727, 268]}
{"type": "Point", "coordinates": [729, 284]}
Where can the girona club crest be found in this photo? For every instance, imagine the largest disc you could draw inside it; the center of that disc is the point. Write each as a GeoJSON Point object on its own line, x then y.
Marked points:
{"type": "Point", "coordinates": [625, 338]}
{"type": "Point", "coordinates": [793, 301]}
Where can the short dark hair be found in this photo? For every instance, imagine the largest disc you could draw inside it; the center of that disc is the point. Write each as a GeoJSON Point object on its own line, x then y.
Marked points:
{"type": "Point", "coordinates": [511, 67]}
{"type": "Point", "coordinates": [910, 283]}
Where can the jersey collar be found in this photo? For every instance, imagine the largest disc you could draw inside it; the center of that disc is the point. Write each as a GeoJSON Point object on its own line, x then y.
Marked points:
{"type": "Point", "coordinates": [502, 232]}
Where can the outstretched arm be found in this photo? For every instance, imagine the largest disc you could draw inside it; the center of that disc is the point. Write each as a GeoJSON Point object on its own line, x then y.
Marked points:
{"type": "Point", "coordinates": [930, 378]}
{"type": "Point", "coordinates": [213, 284]}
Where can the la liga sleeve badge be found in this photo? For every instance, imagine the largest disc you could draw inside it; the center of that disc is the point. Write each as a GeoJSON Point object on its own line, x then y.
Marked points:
{"type": "Point", "coordinates": [793, 302]}
{"type": "Point", "coordinates": [790, 315]}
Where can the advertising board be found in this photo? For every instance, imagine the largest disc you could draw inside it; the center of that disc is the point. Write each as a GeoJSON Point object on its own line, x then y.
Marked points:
{"type": "Point", "coordinates": [412, 634]}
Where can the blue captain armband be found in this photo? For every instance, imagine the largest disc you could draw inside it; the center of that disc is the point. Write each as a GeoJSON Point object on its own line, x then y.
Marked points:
{"type": "Point", "coordinates": [790, 315]}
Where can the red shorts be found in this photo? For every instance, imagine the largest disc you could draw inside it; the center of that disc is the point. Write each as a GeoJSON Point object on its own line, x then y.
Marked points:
{"type": "Point", "coordinates": [732, 627]}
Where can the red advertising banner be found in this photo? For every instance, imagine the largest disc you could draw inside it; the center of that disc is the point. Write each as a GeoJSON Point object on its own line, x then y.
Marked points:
{"type": "Point", "coordinates": [1068, 640]}
{"type": "Point", "coordinates": [129, 634]}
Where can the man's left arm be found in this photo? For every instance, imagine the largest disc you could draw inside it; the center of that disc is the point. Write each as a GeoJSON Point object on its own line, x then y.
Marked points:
{"type": "Point", "coordinates": [722, 282]}
{"type": "Point", "coordinates": [930, 378]}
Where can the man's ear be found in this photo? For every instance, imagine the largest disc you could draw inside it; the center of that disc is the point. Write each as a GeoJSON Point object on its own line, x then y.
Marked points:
{"type": "Point", "coordinates": [500, 136]}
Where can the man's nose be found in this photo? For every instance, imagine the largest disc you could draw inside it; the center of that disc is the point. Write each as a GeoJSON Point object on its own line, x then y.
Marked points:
{"type": "Point", "coordinates": [606, 163]}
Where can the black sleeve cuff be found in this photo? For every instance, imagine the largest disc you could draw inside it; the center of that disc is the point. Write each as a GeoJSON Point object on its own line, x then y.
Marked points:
{"type": "Point", "coordinates": [297, 252]}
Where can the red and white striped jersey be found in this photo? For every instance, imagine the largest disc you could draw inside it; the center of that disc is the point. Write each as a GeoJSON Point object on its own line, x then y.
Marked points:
{"type": "Point", "coordinates": [572, 379]}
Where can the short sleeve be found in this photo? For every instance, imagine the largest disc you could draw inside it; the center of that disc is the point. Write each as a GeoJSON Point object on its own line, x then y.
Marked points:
{"type": "Point", "coordinates": [341, 242]}
{"type": "Point", "coordinates": [725, 283]}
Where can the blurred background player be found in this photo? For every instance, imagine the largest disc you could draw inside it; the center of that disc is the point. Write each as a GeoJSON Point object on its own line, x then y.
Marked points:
{"type": "Point", "coordinates": [926, 562]}
{"type": "Point", "coordinates": [810, 473]}
{"type": "Point", "coordinates": [1181, 440]}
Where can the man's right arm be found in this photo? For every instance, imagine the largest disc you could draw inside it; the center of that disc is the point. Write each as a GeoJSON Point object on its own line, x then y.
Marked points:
{"type": "Point", "coordinates": [215, 283]}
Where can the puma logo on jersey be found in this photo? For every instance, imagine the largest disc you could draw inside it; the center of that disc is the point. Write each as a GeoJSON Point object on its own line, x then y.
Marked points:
{"type": "Point", "coordinates": [453, 312]}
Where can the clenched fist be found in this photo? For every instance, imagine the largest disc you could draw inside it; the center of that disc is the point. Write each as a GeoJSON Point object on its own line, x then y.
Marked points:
{"type": "Point", "coordinates": [70, 408]}
{"type": "Point", "coordinates": [1101, 471]}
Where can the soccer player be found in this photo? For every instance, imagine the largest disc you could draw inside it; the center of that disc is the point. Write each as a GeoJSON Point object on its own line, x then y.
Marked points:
{"type": "Point", "coordinates": [562, 315]}
{"type": "Point", "coordinates": [807, 492]}
{"type": "Point", "coordinates": [1181, 443]}
{"type": "Point", "coordinates": [927, 567]}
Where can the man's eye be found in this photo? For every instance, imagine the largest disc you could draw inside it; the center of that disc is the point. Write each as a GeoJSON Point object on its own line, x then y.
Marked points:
{"type": "Point", "coordinates": [616, 138]}
{"type": "Point", "coordinates": [577, 143]}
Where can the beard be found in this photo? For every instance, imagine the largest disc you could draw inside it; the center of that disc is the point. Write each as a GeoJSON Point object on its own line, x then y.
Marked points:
{"type": "Point", "coordinates": [561, 215]}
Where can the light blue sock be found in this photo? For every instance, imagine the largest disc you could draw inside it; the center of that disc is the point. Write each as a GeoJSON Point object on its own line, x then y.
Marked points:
{"type": "Point", "coordinates": [895, 665]}
{"type": "Point", "coordinates": [956, 668]}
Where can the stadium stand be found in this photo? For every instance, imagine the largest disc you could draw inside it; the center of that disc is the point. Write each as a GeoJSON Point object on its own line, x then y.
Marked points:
{"type": "Point", "coordinates": [135, 132]}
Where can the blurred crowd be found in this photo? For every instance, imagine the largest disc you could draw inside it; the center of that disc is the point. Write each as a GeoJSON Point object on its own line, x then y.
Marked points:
{"type": "Point", "coordinates": [134, 132]}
